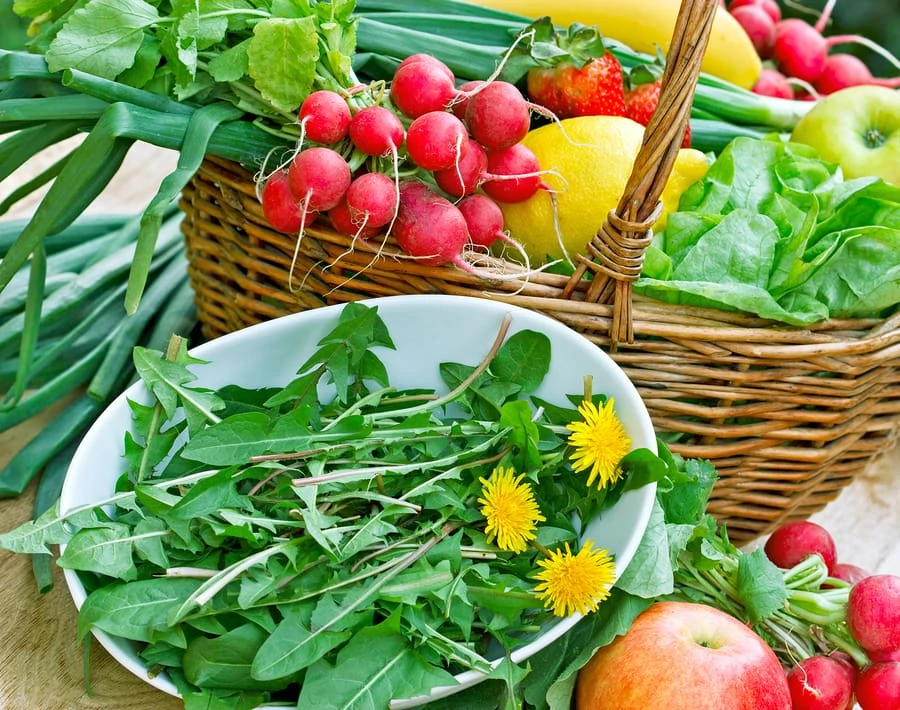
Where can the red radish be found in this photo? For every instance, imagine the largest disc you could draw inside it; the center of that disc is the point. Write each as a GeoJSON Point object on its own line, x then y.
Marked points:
{"type": "Point", "coordinates": [280, 208]}
{"type": "Point", "coordinates": [461, 101]}
{"type": "Point", "coordinates": [372, 199]}
{"type": "Point", "coordinates": [843, 70]}
{"type": "Point", "coordinates": [377, 131]}
{"type": "Point", "coordinates": [878, 687]}
{"type": "Point", "coordinates": [759, 27]}
{"type": "Point", "coordinates": [513, 174]}
{"type": "Point", "coordinates": [884, 656]}
{"type": "Point", "coordinates": [484, 219]}
{"type": "Point", "coordinates": [773, 83]}
{"type": "Point", "coordinates": [794, 541]}
{"type": "Point", "coordinates": [319, 177]}
{"type": "Point", "coordinates": [799, 50]}
{"type": "Point", "coordinates": [429, 227]}
{"type": "Point", "coordinates": [498, 116]}
{"type": "Point", "coordinates": [436, 140]}
{"type": "Point", "coordinates": [433, 230]}
{"type": "Point", "coordinates": [422, 86]}
{"type": "Point", "coordinates": [325, 117]}
{"type": "Point", "coordinates": [820, 683]}
{"type": "Point", "coordinates": [848, 573]}
{"type": "Point", "coordinates": [770, 7]}
{"type": "Point", "coordinates": [847, 660]}
{"type": "Point", "coordinates": [422, 57]}
{"type": "Point", "coordinates": [344, 223]}
{"type": "Point", "coordinates": [873, 613]}
{"type": "Point", "coordinates": [464, 178]}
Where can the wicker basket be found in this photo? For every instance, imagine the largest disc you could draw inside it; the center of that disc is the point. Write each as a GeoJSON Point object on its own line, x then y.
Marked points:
{"type": "Point", "coordinates": [788, 415]}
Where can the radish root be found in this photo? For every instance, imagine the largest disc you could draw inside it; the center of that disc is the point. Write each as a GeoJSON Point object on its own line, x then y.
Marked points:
{"type": "Point", "coordinates": [866, 42]}
{"type": "Point", "coordinates": [297, 244]}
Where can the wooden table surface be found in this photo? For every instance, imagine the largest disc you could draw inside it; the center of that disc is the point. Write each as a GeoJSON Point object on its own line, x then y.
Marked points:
{"type": "Point", "coordinates": [41, 663]}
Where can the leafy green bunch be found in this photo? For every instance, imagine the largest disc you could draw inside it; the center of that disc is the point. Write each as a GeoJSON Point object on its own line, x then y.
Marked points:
{"type": "Point", "coordinates": [263, 56]}
{"type": "Point", "coordinates": [314, 541]}
{"type": "Point", "coordinates": [773, 230]}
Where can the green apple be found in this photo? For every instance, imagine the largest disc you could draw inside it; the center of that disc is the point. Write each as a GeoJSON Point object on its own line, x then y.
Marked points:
{"type": "Point", "coordinates": [857, 127]}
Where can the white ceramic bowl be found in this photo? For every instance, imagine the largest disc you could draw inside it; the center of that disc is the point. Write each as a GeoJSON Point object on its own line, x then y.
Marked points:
{"type": "Point", "coordinates": [427, 330]}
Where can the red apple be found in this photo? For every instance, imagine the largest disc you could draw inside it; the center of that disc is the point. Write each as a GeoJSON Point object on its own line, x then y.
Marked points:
{"type": "Point", "coordinates": [684, 656]}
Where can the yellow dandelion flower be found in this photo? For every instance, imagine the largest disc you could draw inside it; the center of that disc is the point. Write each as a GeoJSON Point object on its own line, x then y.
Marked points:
{"type": "Point", "coordinates": [509, 507]}
{"type": "Point", "coordinates": [578, 582]}
{"type": "Point", "coordinates": [600, 443]}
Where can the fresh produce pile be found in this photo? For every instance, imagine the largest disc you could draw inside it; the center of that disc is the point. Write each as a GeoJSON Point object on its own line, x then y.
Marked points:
{"type": "Point", "coordinates": [465, 121]}
{"type": "Point", "coordinates": [283, 534]}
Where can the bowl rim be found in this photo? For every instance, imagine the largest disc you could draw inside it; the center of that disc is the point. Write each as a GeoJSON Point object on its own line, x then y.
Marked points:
{"type": "Point", "coordinates": [644, 496]}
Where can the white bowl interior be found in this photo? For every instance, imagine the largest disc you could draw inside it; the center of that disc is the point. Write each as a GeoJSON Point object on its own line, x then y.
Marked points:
{"type": "Point", "coordinates": [427, 330]}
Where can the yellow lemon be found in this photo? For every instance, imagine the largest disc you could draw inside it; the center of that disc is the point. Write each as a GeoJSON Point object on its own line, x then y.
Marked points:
{"type": "Point", "coordinates": [587, 161]}
{"type": "Point", "coordinates": [690, 166]}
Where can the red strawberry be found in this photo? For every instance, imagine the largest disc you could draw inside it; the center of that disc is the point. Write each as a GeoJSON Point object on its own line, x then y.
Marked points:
{"type": "Point", "coordinates": [571, 73]}
{"type": "Point", "coordinates": [642, 97]}
{"type": "Point", "coordinates": [567, 90]}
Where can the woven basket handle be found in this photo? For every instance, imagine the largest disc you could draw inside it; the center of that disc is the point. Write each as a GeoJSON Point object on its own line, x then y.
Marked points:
{"type": "Point", "coordinates": [616, 253]}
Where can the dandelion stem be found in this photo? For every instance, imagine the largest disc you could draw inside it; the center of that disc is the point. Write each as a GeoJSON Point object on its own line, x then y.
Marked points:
{"type": "Point", "coordinates": [462, 386]}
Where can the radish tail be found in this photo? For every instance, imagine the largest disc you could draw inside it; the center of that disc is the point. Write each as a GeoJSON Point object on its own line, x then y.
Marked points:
{"type": "Point", "coordinates": [485, 177]}
{"type": "Point", "coordinates": [557, 231]}
{"type": "Point", "coordinates": [489, 275]}
{"type": "Point", "coordinates": [395, 160]}
{"type": "Point", "coordinates": [805, 85]}
{"type": "Point", "coordinates": [544, 111]}
{"type": "Point", "coordinates": [505, 58]}
{"type": "Point", "coordinates": [824, 18]}
{"type": "Point", "coordinates": [866, 42]}
{"type": "Point", "coordinates": [297, 245]}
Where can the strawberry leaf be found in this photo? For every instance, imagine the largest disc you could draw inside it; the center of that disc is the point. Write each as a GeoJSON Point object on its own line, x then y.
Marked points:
{"type": "Point", "coordinates": [542, 44]}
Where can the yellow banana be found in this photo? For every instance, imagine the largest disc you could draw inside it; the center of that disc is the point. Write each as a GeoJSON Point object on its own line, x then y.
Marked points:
{"type": "Point", "coordinates": [645, 24]}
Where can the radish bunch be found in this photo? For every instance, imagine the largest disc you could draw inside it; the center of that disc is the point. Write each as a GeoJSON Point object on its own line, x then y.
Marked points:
{"type": "Point", "coordinates": [833, 680]}
{"type": "Point", "coordinates": [799, 62]}
{"type": "Point", "coordinates": [425, 162]}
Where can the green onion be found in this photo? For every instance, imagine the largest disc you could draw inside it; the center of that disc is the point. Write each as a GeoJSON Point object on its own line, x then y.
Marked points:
{"type": "Point", "coordinates": [61, 303]}
{"type": "Point", "coordinates": [127, 334]}
{"type": "Point", "coordinates": [113, 91]}
{"type": "Point", "coordinates": [24, 466]}
{"type": "Point", "coordinates": [30, 327]}
{"type": "Point", "coordinates": [47, 493]}
{"type": "Point", "coordinates": [745, 107]}
{"type": "Point", "coordinates": [465, 60]}
{"type": "Point", "coordinates": [35, 183]}
{"type": "Point", "coordinates": [437, 7]}
{"type": "Point", "coordinates": [199, 131]}
{"type": "Point", "coordinates": [86, 228]}
{"type": "Point", "coordinates": [711, 135]}
{"type": "Point", "coordinates": [28, 142]}
{"type": "Point", "coordinates": [23, 65]}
